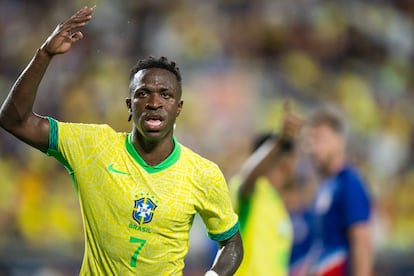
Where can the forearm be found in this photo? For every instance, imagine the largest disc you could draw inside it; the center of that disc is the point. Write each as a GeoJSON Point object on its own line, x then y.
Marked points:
{"type": "Point", "coordinates": [18, 105]}
{"type": "Point", "coordinates": [16, 113]}
{"type": "Point", "coordinates": [258, 163]}
{"type": "Point", "coordinates": [361, 257]}
{"type": "Point", "coordinates": [229, 256]}
{"type": "Point", "coordinates": [361, 251]}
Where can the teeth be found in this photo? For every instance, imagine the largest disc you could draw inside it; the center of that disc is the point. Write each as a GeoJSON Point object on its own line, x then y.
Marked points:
{"type": "Point", "coordinates": [154, 123]}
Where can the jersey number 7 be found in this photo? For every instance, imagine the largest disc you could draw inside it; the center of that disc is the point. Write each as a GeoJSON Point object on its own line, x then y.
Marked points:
{"type": "Point", "coordinates": [136, 253]}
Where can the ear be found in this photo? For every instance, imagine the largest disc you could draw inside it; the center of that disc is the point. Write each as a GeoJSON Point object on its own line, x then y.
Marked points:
{"type": "Point", "coordinates": [128, 103]}
{"type": "Point", "coordinates": [180, 107]}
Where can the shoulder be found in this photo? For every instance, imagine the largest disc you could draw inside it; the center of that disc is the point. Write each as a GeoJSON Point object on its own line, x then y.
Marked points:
{"type": "Point", "coordinates": [352, 182]}
{"type": "Point", "coordinates": [85, 126]}
{"type": "Point", "coordinates": [203, 171]}
{"type": "Point", "coordinates": [84, 129]}
{"type": "Point", "coordinates": [81, 132]}
{"type": "Point", "coordinates": [189, 156]}
{"type": "Point", "coordinates": [351, 175]}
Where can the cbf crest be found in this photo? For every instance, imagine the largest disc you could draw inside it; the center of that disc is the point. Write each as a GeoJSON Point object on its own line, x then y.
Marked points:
{"type": "Point", "coordinates": [143, 210]}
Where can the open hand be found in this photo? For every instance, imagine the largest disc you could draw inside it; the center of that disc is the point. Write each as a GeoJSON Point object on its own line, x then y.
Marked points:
{"type": "Point", "coordinates": [67, 32]}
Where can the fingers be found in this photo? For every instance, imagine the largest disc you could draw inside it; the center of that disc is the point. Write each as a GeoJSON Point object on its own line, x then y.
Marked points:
{"type": "Point", "coordinates": [66, 33]}
{"type": "Point", "coordinates": [85, 11]}
{"type": "Point", "coordinates": [76, 36]}
{"type": "Point", "coordinates": [78, 20]}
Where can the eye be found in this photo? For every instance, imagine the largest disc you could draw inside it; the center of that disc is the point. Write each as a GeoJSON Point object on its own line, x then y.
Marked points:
{"type": "Point", "coordinates": [141, 93]}
{"type": "Point", "coordinates": [165, 95]}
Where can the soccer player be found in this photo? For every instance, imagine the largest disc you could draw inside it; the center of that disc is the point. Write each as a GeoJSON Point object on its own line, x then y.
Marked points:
{"type": "Point", "coordinates": [341, 209]}
{"type": "Point", "coordinates": [138, 191]}
{"type": "Point", "coordinates": [264, 221]}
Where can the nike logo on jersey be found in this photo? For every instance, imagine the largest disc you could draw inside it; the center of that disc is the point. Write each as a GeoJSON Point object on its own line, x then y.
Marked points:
{"type": "Point", "coordinates": [112, 169]}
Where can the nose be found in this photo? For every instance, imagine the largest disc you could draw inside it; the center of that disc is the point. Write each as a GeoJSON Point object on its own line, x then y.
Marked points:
{"type": "Point", "coordinates": [154, 101]}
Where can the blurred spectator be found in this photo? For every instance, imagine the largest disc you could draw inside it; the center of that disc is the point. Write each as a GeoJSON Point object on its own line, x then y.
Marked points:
{"type": "Point", "coordinates": [342, 243]}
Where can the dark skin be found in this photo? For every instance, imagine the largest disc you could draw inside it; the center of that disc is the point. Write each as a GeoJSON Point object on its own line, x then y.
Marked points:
{"type": "Point", "coordinates": [154, 103]}
{"type": "Point", "coordinates": [16, 114]}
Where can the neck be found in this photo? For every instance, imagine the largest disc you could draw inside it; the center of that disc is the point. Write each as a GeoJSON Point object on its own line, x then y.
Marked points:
{"type": "Point", "coordinates": [153, 151]}
{"type": "Point", "coordinates": [336, 164]}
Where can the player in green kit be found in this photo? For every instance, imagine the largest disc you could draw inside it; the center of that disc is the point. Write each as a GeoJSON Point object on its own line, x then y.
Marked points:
{"type": "Point", "coordinates": [138, 191]}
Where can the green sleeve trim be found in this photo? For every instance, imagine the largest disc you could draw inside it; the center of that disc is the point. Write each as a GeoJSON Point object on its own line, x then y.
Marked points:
{"type": "Point", "coordinates": [171, 159]}
{"type": "Point", "coordinates": [226, 235]}
{"type": "Point", "coordinates": [53, 149]}
{"type": "Point", "coordinates": [53, 134]}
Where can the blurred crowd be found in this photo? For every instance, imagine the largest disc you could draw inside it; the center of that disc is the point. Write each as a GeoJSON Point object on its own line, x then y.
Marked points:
{"type": "Point", "coordinates": [240, 61]}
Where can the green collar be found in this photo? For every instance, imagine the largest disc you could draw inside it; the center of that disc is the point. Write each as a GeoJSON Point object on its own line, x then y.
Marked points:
{"type": "Point", "coordinates": [171, 159]}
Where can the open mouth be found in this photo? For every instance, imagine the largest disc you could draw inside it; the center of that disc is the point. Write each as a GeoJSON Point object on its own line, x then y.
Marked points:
{"type": "Point", "coordinates": [153, 122]}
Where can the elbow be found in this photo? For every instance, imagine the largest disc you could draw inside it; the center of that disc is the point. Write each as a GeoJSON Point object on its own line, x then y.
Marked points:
{"type": "Point", "coordinates": [6, 123]}
{"type": "Point", "coordinates": [11, 119]}
{"type": "Point", "coordinates": [3, 120]}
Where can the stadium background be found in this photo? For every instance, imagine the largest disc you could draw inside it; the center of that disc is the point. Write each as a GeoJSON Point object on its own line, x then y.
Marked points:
{"type": "Point", "coordinates": [239, 59]}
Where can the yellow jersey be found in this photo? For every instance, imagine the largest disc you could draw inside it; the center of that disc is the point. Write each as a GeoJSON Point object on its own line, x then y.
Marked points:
{"type": "Point", "coordinates": [265, 228]}
{"type": "Point", "coordinates": [137, 217]}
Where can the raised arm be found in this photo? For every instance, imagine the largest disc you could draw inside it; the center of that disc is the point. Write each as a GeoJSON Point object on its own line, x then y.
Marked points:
{"type": "Point", "coordinates": [16, 113]}
{"type": "Point", "coordinates": [228, 258]}
{"type": "Point", "coordinates": [258, 163]}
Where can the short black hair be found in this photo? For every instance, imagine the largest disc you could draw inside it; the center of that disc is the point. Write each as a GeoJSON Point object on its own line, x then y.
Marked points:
{"type": "Point", "coordinates": [152, 62]}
